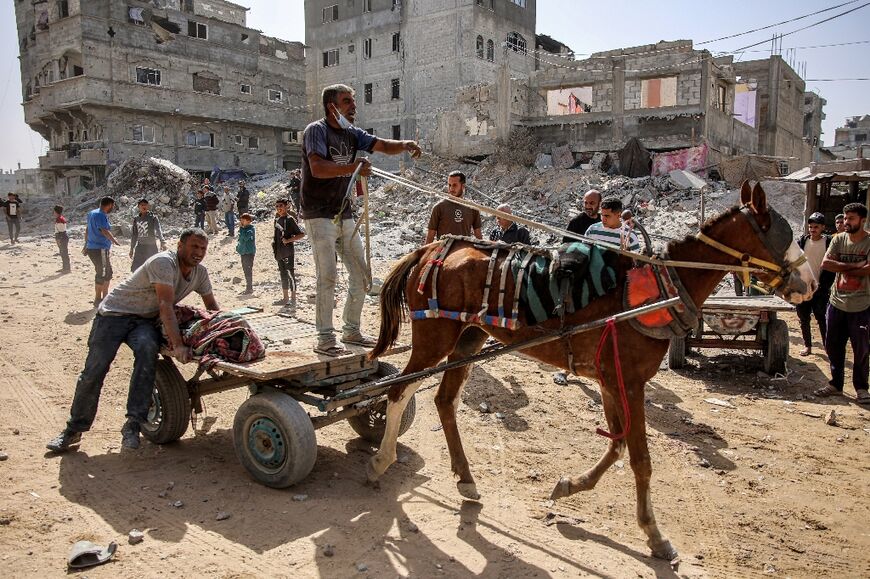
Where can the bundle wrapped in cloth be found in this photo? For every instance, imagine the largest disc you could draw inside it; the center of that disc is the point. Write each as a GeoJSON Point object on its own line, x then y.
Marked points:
{"type": "Point", "coordinates": [219, 335]}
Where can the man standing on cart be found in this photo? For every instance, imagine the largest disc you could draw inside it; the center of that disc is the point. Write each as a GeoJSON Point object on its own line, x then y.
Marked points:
{"type": "Point", "coordinates": [130, 315]}
{"type": "Point", "coordinates": [329, 148]}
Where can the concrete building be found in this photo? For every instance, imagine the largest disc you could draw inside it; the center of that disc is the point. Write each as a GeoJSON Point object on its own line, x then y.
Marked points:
{"type": "Point", "coordinates": [32, 184]}
{"type": "Point", "coordinates": [778, 95]}
{"type": "Point", "coordinates": [7, 182]}
{"type": "Point", "coordinates": [185, 80]}
{"type": "Point", "coordinates": [853, 133]}
{"type": "Point", "coordinates": [814, 114]}
{"type": "Point", "coordinates": [425, 69]}
{"type": "Point", "coordinates": [668, 95]}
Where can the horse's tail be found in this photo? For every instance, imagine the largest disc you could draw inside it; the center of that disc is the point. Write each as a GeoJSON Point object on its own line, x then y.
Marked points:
{"type": "Point", "coordinates": [393, 302]}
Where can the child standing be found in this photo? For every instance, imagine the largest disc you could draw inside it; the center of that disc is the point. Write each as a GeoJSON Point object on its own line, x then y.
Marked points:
{"type": "Point", "coordinates": [287, 231]}
{"type": "Point", "coordinates": [199, 209]}
{"type": "Point", "coordinates": [62, 239]}
{"type": "Point", "coordinates": [246, 248]}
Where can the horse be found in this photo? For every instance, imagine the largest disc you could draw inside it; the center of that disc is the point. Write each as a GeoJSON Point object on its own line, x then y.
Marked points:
{"type": "Point", "coordinates": [751, 233]}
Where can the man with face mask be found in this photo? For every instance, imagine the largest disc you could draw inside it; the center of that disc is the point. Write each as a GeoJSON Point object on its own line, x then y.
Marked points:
{"type": "Point", "coordinates": [329, 158]}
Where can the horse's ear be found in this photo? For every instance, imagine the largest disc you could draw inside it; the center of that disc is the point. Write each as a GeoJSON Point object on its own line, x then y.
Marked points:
{"type": "Point", "coordinates": [759, 199]}
{"type": "Point", "coordinates": [745, 193]}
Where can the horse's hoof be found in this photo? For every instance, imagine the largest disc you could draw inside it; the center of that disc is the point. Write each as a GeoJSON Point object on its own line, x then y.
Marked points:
{"type": "Point", "coordinates": [468, 490]}
{"type": "Point", "coordinates": [664, 550]}
{"type": "Point", "coordinates": [562, 489]}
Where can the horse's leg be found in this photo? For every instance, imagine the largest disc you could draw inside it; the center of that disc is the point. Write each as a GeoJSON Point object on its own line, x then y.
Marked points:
{"type": "Point", "coordinates": [439, 342]}
{"type": "Point", "coordinates": [569, 485]}
{"type": "Point", "coordinates": [447, 399]}
{"type": "Point", "coordinates": [642, 467]}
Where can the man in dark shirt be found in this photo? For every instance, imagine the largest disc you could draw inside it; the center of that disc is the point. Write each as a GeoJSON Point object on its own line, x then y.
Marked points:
{"type": "Point", "coordinates": [452, 218]}
{"type": "Point", "coordinates": [12, 205]}
{"type": "Point", "coordinates": [508, 231]}
{"type": "Point", "coordinates": [243, 198]}
{"type": "Point", "coordinates": [329, 148]}
{"type": "Point", "coordinates": [590, 215]}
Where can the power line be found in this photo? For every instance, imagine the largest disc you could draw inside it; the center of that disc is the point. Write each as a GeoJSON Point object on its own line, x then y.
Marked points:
{"type": "Point", "coordinates": [805, 27]}
{"type": "Point", "coordinates": [834, 79]}
{"type": "Point", "coordinates": [795, 19]}
{"type": "Point", "coordinates": [801, 47]}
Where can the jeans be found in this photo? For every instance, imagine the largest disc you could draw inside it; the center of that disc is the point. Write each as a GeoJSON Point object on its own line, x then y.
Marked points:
{"type": "Point", "coordinates": [815, 308]}
{"type": "Point", "coordinates": [327, 239]}
{"type": "Point", "coordinates": [211, 216]}
{"type": "Point", "coordinates": [852, 327]}
{"type": "Point", "coordinates": [199, 221]}
{"type": "Point", "coordinates": [14, 224]}
{"type": "Point", "coordinates": [230, 221]}
{"type": "Point", "coordinates": [107, 335]}
{"type": "Point", "coordinates": [62, 240]}
{"type": "Point", "coordinates": [287, 268]}
{"type": "Point", "coordinates": [248, 269]}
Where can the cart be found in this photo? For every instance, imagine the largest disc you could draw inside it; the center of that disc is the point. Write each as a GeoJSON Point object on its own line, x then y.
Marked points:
{"type": "Point", "coordinates": [738, 323]}
{"type": "Point", "coordinates": [273, 435]}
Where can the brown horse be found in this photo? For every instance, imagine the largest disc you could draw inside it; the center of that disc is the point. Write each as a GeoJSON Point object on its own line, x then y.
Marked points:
{"type": "Point", "coordinates": [753, 231]}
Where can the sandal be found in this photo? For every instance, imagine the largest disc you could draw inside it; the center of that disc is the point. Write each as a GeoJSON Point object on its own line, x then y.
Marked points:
{"type": "Point", "coordinates": [332, 350]}
{"type": "Point", "coordinates": [862, 396]}
{"type": "Point", "coordinates": [827, 391]}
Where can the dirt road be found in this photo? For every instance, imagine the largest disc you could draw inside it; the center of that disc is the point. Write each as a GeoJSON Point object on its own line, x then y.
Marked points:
{"type": "Point", "coordinates": [766, 487]}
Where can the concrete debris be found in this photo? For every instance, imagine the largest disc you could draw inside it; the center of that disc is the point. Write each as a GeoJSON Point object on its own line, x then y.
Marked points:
{"type": "Point", "coordinates": [718, 402]}
{"type": "Point", "coordinates": [562, 157]}
{"type": "Point", "coordinates": [222, 516]}
{"type": "Point", "coordinates": [544, 161]}
{"type": "Point", "coordinates": [686, 180]}
{"type": "Point", "coordinates": [135, 537]}
{"type": "Point", "coordinates": [831, 418]}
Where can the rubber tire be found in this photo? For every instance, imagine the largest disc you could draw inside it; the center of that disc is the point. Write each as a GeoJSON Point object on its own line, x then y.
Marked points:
{"type": "Point", "coordinates": [776, 349]}
{"type": "Point", "coordinates": [294, 428]}
{"type": "Point", "coordinates": [372, 424]}
{"type": "Point", "coordinates": [677, 353]}
{"type": "Point", "coordinates": [170, 392]}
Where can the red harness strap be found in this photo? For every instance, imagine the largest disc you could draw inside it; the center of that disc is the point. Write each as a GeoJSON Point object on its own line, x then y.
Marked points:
{"type": "Point", "coordinates": [610, 329]}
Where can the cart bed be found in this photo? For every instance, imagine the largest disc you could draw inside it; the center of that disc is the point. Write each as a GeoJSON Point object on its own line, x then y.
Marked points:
{"type": "Point", "coordinates": [733, 304]}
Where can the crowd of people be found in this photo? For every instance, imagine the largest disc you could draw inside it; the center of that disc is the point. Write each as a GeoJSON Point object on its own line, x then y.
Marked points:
{"type": "Point", "coordinates": [160, 278]}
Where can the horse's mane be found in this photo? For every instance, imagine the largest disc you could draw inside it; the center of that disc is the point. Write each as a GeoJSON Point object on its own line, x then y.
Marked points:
{"type": "Point", "coordinates": [708, 223]}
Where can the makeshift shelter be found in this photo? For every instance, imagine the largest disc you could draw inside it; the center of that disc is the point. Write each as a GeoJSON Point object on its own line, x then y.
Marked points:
{"type": "Point", "coordinates": [738, 169]}
{"type": "Point", "coordinates": [634, 159]}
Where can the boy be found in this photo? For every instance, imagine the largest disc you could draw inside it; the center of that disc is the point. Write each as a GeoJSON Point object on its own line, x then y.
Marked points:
{"type": "Point", "coordinates": [610, 229]}
{"type": "Point", "coordinates": [144, 235]}
{"type": "Point", "coordinates": [62, 238]}
{"type": "Point", "coordinates": [287, 231]}
{"type": "Point", "coordinates": [13, 216]}
{"type": "Point", "coordinates": [246, 248]}
{"type": "Point", "coordinates": [199, 209]}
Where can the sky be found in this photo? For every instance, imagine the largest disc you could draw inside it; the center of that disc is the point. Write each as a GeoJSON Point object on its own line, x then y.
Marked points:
{"type": "Point", "coordinates": [586, 26]}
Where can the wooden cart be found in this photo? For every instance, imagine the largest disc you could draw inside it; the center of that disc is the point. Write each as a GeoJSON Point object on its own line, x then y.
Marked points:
{"type": "Point", "coordinates": [273, 435]}
{"type": "Point", "coordinates": [738, 323]}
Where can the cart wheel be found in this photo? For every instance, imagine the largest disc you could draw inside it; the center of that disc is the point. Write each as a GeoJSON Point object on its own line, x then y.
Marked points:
{"type": "Point", "coordinates": [169, 412]}
{"type": "Point", "coordinates": [370, 425]}
{"type": "Point", "coordinates": [677, 353]}
{"type": "Point", "coordinates": [776, 349]}
{"type": "Point", "coordinates": [274, 439]}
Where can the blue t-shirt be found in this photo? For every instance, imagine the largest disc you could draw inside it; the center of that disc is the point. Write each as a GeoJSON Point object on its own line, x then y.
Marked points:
{"type": "Point", "coordinates": [97, 219]}
{"type": "Point", "coordinates": [323, 197]}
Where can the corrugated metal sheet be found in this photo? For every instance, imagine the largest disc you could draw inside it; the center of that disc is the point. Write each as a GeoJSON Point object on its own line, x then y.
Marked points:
{"type": "Point", "coordinates": [804, 175]}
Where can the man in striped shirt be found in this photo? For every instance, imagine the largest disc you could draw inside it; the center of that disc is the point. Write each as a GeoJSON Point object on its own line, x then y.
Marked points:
{"type": "Point", "coordinates": [611, 229]}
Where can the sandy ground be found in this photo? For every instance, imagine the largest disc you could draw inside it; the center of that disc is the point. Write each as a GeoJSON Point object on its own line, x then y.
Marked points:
{"type": "Point", "coordinates": [765, 487]}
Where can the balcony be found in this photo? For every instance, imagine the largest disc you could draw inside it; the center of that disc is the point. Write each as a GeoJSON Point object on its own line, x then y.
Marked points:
{"type": "Point", "coordinates": [85, 154]}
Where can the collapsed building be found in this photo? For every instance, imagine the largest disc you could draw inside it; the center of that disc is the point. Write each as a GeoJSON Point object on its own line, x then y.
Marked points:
{"type": "Point", "coordinates": [183, 80]}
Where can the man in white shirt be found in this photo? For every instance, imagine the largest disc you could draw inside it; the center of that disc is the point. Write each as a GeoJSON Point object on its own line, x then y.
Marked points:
{"type": "Point", "coordinates": [814, 245]}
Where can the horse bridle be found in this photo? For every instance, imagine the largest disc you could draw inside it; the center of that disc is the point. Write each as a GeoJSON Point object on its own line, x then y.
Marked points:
{"type": "Point", "coordinates": [776, 240]}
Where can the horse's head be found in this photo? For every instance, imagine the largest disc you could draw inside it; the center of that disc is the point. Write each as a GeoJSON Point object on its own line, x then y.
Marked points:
{"type": "Point", "coordinates": [761, 238]}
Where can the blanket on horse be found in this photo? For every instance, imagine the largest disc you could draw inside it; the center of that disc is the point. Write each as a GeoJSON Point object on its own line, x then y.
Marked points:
{"type": "Point", "coordinates": [571, 277]}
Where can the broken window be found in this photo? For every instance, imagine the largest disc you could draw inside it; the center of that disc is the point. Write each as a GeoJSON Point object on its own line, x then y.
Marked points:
{"type": "Point", "coordinates": [63, 8]}
{"type": "Point", "coordinates": [396, 42]}
{"type": "Point", "coordinates": [516, 42]}
{"type": "Point", "coordinates": [199, 139]}
{"type": "Point", "coordinates": [290, 136]}
{"type": "Point", "coordinates": [330, 58]}
{"type": "Point", "coordinates": [394, 89]}
{"type": "Point", "coordinates": [206, 83]}
{"type": "Point", "coordinates": [478, 45]}
{"type": "Point", "coordinates": [367, 48]}
{"type": "Point", "coordinates": [143, 134]}
{"type": "Point", "coordinates": [238, 140]}
{"type": "Point", "coordinates": [330, 13]}
{"type": "Point", "coordinates": [721, 95]}
{"type": "Point", "coordinates": [860, 137]}
{"type": "Point", "coordinates": [490, 50]}
{"type": "Point", "coordinates": [367, 5]}
{"type": "Point", "coordinates": [134, 15]}
{"type": "Point", "coordinates": [197, 30]}
{"type": "Point", "coordinates": [253, 142]}
{"type": "Point", "coordinates": [569, 101]}
{"type": "Point", "coordinates": [275, 95]}
{"type": "Point", "coordinates": [367, 93]}
{"type": "Point", "coordinates": [397, 132]}
{"type": "Point", "coordinates": [147, 76]}
{"type": "Point", "coordinates": [658, 92]}
{"type": "Point", "coordinates": [245, 89]}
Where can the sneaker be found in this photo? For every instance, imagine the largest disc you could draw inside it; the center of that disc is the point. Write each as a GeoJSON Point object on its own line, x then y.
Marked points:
{"type": "Point", "coordinates": [359, 339]}
{"type": "Point", "coordinates": [130, 435]}
{"type": "Point", "coordinates": [64, 440]}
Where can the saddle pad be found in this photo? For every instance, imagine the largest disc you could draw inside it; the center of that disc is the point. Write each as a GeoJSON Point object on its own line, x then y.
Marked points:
{"type": "Point", "coordinates": [643, 288]}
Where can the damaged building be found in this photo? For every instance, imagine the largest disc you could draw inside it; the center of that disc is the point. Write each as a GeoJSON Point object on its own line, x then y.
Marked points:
{"type": "Point", "coordinates": [184, 80]}
{"type": "Point", "coordinates": [426, 70]}
{"type": "Point", "coordinates": [852, 135]}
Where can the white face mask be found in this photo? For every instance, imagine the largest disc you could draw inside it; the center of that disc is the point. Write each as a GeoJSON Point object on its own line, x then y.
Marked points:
{"type": "Point", "coordinates": [340, 118]}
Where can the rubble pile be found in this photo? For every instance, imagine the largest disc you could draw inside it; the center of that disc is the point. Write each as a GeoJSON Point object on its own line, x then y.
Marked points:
{"type": "Point", "coordinates": [160, 181]}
